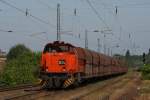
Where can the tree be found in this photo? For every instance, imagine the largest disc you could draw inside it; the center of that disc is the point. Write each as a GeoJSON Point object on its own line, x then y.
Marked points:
{"type": "Point", "coordinates": [21, 67]}
{"type": "Point", "coordinates": [148, 57]}
{"type": "Point", "coordinates": [129, 59]}
{"type": "Point", "coordinates": [146, 72]}
{"type": "Point", "coordinates": [149, 52]}
{"type": "Point", "coordinates": [17, 51]}
{"type": "Point", "coordinates": [128, 54]}
{"type": "Point", "coordinates": [144, 58]}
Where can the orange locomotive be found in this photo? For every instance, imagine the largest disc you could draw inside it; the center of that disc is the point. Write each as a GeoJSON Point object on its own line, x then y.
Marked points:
{"type": "Point", "coordinates": [63, 64]}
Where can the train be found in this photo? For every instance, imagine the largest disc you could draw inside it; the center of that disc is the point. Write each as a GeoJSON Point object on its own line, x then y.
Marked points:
{"type": "Point", "coordinates": [63, 65]}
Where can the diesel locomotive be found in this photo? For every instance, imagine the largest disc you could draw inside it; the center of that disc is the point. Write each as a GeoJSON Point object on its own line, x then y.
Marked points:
{"type": "Point", "coordinates": [63, 65]}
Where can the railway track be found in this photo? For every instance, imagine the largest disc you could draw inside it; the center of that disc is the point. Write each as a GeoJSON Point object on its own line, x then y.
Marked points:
{"type": "Point", "coordinates": [113, 92]}
{"type": "Point", "coordinates": [12, 93]}
{"type": "Point", "coordinates": [106, 97]}
{"type": "Point", "coordinates": [32, 95]}
{"type": "Point", "coordinates": [28, 96]}
{"type": "Point", "coordinates": [2, 89]}
{"type": "Point", "coordinates": [81, 92]}
{"type": "Point", "coordinates": [35, 93]}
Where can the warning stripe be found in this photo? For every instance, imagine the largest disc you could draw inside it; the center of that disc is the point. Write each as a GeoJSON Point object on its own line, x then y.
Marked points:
{"type": "Point", "coordinates": [68, 82]}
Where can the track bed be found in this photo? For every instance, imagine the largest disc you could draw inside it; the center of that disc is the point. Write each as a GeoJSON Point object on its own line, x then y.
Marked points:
{"type": "Point", "coordinates": [125, 86]}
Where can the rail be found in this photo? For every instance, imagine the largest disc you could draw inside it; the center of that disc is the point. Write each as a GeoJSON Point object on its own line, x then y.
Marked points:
{"type": "Point", "coordinates": [2, 89]}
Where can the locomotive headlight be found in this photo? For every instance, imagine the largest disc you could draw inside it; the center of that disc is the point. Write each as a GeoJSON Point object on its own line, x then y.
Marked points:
{"type": "Point", "coordinates": [61, 62]}
{"type": "Point", "coordinates": [46, 70]}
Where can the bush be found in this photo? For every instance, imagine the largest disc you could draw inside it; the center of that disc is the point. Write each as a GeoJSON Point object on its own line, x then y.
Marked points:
{"type": "Point", "coordinates": [17, 51]}
{"type": "Point", "coordinates": [146, 72]}
{"type": "Point", "coordinates": [21, 67]}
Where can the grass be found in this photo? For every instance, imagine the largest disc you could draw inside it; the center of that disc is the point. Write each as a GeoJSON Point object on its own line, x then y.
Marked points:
{"type": "Point", "coordinates": [145, 87]}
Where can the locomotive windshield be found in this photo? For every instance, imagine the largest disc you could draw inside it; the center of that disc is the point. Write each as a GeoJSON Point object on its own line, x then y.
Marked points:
{"type": "Point", "coordinates": [57, 48]}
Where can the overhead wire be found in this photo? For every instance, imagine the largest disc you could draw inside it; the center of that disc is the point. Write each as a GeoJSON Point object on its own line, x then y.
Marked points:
{"type": "Point", "coordinates": [47, 5]}
{"type": "Point", "coordinates": [27, 14]}
{"type": "Point", "coordinates": [97, 14]}
{"type": "Point", "coordinates": [62, 15]}
{"type": "Point", "coordinates": [129, 3]}
{"type": "Point", "coordinates": [135, 5]}
{"type": "Point", "coordinates": [116, 15]}
{"type": "Point", "coordinates": [31, 35]}
{"type": "Point", "coordinates": [22, 11]}
{"type": "Point", "coordinates": [44, 4]}
{"type": "Point", "coordinates": [5, 30]}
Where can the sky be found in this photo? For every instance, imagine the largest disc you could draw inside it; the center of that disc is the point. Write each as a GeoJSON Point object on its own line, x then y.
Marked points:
{"type": "Point", "coordinates": [128, 28]}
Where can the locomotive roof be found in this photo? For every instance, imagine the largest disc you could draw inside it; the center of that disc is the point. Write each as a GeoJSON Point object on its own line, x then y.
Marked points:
{"type": "Point", "coordinates": [62, 43]}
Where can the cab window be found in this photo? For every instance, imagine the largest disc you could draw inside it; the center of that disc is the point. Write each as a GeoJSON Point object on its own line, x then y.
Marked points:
{"type": "Point", "coordinates": [51, 48]}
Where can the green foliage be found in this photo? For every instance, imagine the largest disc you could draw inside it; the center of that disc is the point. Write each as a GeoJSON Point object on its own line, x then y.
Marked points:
{"type": "Point", "coordinates": [147, 58]}
{"type": "Point", "coordinates": [36, 61]}
{"type": "Point", "coordinates": [133, 60]}
{"type": "Point", "coordinates": [21, 67]}
{"type": "Point", "coordinates": [149, 52]}
{"type": "Point", "coordinates": [16, 51]}
{"type": "Point", "coordinates": [129, 59]}
{"type": "Point", "coordinates": [128, 54]}
{"type": "Point", "coordinates": [146, 72]}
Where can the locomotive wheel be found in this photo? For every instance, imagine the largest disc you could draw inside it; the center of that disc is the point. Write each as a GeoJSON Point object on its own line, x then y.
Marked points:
{"type": "Point", "coordinates": [57, 83]}
{"type": "Point", "coordinates": [76, 83]}
{"type": "Point", "coordinates": [50, 84]}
